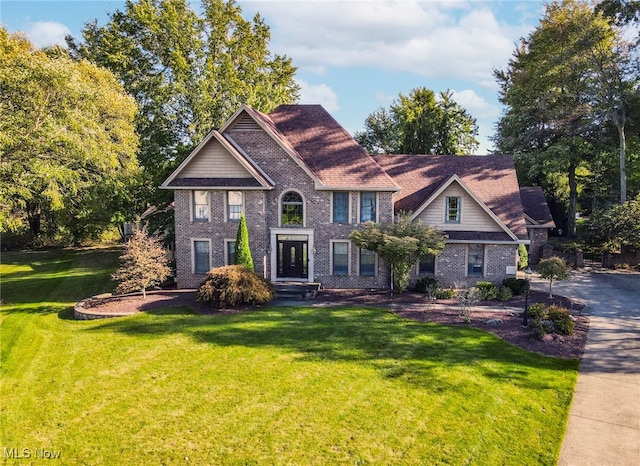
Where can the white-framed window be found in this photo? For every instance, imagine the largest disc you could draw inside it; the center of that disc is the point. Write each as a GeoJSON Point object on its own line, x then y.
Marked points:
{"type": "Point", "coordinates": [292, 209]}
{"type": "Point", "coordinates": [200, 201]}
{"type": "Point", "coordinates": [475, 260]}
{"type": "Point", "coordinates": [367, 263]}
{"type": "Point", "coordinates": [229, 251]}
{"type": "Point", "coordinates": [368, 206]}
{"type": "Point", "coordinates": [340, 257]}
{"type": "Point", "coordinates": [453, 209]}
{"type": "Point", "coordinates": [340, 207]}
{"type": "Point", "coordinates": [201, 253]}
{"type": "Point", "coordinates": [427, 264]}
{"type": "Point", "coordinates": [235, 205]}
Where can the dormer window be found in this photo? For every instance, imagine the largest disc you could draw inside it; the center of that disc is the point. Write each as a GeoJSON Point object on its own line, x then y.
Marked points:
{"type": "Point", "coordinates": [453, 209]}
{"type": "Point", "coordinates": [292, 209]}
{"type": "Point", "coordinates": [201, 206]}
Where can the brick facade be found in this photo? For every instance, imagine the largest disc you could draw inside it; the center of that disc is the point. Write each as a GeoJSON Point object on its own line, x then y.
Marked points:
{"type": "Point", "coordinates": [283, 171]}
{"type": "Point", "coordinates": [538, 238]}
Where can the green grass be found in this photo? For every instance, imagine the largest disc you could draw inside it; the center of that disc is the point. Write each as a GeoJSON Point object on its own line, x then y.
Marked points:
{"type": "Point", "coordinates": [273, 386]}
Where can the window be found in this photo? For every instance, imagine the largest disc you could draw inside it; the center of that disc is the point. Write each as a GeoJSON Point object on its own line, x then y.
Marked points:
{"type": "Point", "coordinates": [367, 262]}
{"type": "Point", "coordinates": [340, 207]}
{"type": "Point", "coordinates": [231, 252]}
{"type": "Point", "coordinates": [427, 264]}
{"type": "Point", "coordinates": [292, 209]}
{"type": "Point", "coordinates": [475, 260]}
{"type": "Point", "coordinates": [340, 264]}
{"type": "Point", "coordinates": [367, 207]}
{"type": "Point", "coordinates": [201, 206]}
{"type": "Point", "coordinates": [453, 210]}
{"type": "Point", "coordinates": [201, 257]}
{"type": "Point", "coordinates": [234, 205]}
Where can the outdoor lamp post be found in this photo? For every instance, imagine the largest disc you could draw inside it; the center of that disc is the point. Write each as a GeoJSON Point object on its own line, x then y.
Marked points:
{"type": "Point", "coordinates": [527, 276]}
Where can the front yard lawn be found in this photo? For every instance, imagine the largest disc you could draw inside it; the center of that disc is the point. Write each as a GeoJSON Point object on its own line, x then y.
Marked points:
{"type": "Point", "coordinates": [303, 385]}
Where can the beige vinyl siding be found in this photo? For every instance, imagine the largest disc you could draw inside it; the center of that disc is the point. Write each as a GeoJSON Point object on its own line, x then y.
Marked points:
{"type": "Point", "coordinates": [214, 161]}
{"type": "Point", "coordinates": [473, 216]}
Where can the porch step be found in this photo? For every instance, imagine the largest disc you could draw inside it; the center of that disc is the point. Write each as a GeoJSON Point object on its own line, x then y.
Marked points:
{"type": "Point", "coordinates": [292, 291]}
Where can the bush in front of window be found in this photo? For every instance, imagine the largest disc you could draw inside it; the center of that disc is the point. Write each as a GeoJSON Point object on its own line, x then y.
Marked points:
{"type": "Point", "coordinates": [487, 290]}
{"type": "Point", "coordinates": [518, 286]}
{"type": "Point", "coordinates": [425, 284]}
{"type": "Point", "coordinates": [234, 285]}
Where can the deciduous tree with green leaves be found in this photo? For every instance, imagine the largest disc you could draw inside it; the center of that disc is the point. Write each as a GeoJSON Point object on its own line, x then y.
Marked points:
{"type": "Point", "coordinates": [67, 139]}
{"type": "Point", "coordinates": [420, 123]}
{"type": "Point", "coordinates": [553, 268]}
{"type": "Point", "coordinates": [562, 84]}
{"type": "Point", "coordinates": [189, 70]}
{"type": "Point", "coordinates": [399, 244]}
{"type": "Point", "coordinates": [616, 227]}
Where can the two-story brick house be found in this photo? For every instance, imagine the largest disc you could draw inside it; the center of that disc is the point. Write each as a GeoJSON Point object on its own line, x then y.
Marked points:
{"type": "Point", "coordinates": [304, 185]}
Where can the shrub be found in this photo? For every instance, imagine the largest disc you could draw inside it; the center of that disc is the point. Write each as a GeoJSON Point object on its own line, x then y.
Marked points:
{"type": "Point", "coordinates": [518, 286]}
{"type": "Point", "coordinates": [540, 327]}
{"type": "Point", "coordinates": [242, 254]}
{"type": "Point", "coordinates": [443, 293]}
{"type": "Point", "coordinates": [504, 293]}
{"type": "Point", "coordinates": [234, 285]}
{"type": "Point", "coordinates": [537, 311]}
{"type": "Point", "coordinates": [487, 291]}
{"type": "Point", "coordinates": [424, 284]}
{"type": "Point", "coordinates": [561, 318]}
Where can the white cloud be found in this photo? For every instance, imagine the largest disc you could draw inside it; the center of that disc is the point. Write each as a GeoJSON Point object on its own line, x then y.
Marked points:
{"type": "Point", "coordinates": [47, 33]}
{"type": "Point", "coordinates": [433, 39]}
{"type": "Point", "coordinates": [318, 94]}
{"type": "Point", "coordinates": [476, 105]}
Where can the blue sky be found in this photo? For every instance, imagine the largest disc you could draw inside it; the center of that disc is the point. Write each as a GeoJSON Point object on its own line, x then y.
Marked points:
{"type": "Point", "coordinates": [353, 56]}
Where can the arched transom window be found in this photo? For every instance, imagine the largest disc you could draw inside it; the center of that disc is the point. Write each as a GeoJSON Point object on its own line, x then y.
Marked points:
{"type": "Point", "coordinates": [292, 209]}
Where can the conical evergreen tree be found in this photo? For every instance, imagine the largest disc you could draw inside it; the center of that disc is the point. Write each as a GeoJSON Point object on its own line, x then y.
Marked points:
{"type": "Point", "coordinates": [242, 254]}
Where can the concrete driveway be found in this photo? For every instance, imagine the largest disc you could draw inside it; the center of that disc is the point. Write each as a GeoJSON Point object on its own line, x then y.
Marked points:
{"type": "Point", "coordinates": [604, 420]}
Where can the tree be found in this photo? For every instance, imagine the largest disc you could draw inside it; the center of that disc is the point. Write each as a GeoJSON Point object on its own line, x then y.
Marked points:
{"type": "Point", "coordinates": [420, 123]}
{"type": "Point", "coordinates": [523, 257]}
{"type": "Point", "coordinates": [552, 124]}
{"type": "Point", "coordinates": [242, 253]}
{"type": "Point", "coordinates": [399, 245]}
{"type": "Point", "coordinates": [553, 268]}
{"type": "Point", "coordinates": [144, 264]}
{"type": "Point", "coordinates": [188, 71]}
{"type": "Point", "coordinates": [616, 227]}
{"type": "Point", "coordinates": [67, 139]}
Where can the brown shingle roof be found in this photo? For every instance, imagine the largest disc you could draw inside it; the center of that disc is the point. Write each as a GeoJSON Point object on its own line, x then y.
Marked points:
{"type": "Point", "coordinates": [535, 205]}
{"type": "Point", "coordinates": [491, 178]}
{"type": "Point", "coordinates": [327, 149]}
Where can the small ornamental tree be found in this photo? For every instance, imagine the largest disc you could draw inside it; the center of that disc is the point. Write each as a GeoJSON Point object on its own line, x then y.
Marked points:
{"type": "Point", "coordinates": [399, 244]}
{"type": "Point", "coordinates": [242, 253]}
{"type": "Point", "coordinates": [554, 268]}
{"type": "Point", "coordinates": [144, 264]}
{"type": "Point", "coordinates": [523, 257]}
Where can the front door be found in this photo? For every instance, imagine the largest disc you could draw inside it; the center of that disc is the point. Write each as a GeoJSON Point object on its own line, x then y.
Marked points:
{"type": "Point", "coordinates": [292, 259]}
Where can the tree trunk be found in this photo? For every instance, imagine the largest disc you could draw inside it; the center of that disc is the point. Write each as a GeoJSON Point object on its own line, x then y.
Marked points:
{"type": "Point", "coordinates": [550, 287]}
{"type": "Point", "coordinates": [623, 162]}
{"type": "Point", "coordinates": [33, 217]}
{"type": "Point", "coordinates": [573, 201]}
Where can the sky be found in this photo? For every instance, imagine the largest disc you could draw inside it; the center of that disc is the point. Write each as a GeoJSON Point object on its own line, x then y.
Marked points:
{"type": "Point", "coordinates": [353, 56]}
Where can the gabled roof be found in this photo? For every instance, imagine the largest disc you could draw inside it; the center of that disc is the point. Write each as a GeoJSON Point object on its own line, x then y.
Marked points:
{"type": "Point", "coordinates": [256, 178]}
{"type": "Point", "coordinates": [491, 179]}
{"type": "Point", "coordinates": [323, 148]}
{"type": "Point", "coordinates": [535, 207]}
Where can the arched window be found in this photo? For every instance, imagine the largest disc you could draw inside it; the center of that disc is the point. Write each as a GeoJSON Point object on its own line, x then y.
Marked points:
{"type": "Point", "coordinates": [292, 209]}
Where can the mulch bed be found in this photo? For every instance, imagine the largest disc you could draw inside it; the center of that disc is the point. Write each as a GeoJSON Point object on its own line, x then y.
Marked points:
{"type": "Point", "coordinates": [408, 305]}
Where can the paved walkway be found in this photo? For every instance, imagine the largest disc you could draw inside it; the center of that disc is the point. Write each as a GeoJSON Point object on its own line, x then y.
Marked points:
{"type": "Point", "coordinates": [604, 420]}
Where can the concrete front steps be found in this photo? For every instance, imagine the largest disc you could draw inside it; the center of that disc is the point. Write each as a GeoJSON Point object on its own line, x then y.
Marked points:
{"type": "Point", "coordinates": [295, 291]}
